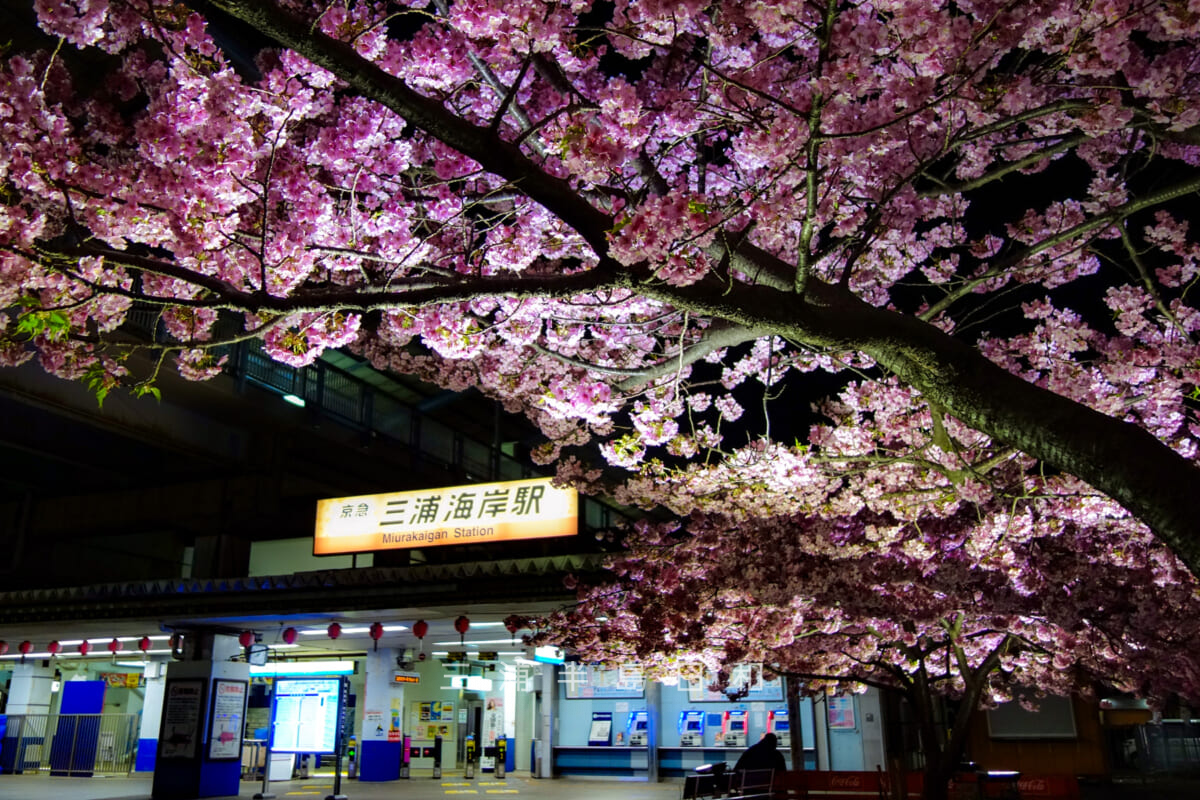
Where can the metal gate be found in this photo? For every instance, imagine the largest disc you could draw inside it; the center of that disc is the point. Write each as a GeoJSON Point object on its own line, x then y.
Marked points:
{"type": "Point", "coordinates": [77, 745]}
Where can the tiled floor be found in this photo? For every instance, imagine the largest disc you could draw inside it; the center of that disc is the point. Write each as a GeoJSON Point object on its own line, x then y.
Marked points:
{"type": "Point", "coordinates": [520, 787]}
{"type": "Point", "coordinates": [22, 787]}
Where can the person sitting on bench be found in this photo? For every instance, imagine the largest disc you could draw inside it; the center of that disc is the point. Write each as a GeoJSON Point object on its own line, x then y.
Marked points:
{"type": "Point", "coordinates": [762, 755]}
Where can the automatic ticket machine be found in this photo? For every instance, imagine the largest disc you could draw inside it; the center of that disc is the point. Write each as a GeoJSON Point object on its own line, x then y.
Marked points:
{"type": "Point", "coordinates": [733, 728]}
{"type": "Point", "coordinates": [779, 724]}
{"type": "Point", "coordinates": [691, 728]}
{"type": "Point", "coordinates": [637, 728]}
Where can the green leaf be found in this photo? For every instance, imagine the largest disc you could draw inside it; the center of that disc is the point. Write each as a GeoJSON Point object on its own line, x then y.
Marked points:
{"type": "Point", "coordinates": [143, 390]}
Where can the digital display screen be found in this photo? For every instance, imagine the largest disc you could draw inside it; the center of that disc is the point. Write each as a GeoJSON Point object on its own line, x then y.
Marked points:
{"type": "Point", "coordinates": [694, 725]}
{"type": "Point", "coordinates": [305, 715]}
{"type": "Point", "coordinates": [737, 725]}
{"type": "Point", "coordinates": [781, 725]}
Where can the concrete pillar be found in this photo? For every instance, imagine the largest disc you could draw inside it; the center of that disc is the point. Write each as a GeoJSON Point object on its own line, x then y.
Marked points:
{"type": "Point", "coordinates": [29, 690]}
{"type": "Point", "coordinates": [870, 711]}
{"type": "Point", "coordinates": [546, 726]}
{"type": "Point", "coordinates": [380, 746]}
{"type": "Point", "coordinates": [820, 709]}
{"type": "Point", "coordinates": [183, 767]}
{"type": "Point", "coordinates": [152, 702]}
{"type": "Point", "coordinates": [654, 724]}
{"type": "Point", "coordinates": [28, 706]}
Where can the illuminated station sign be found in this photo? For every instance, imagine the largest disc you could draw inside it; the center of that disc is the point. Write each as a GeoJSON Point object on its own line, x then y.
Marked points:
{"type": "Point", "coordinates": [485, 512]}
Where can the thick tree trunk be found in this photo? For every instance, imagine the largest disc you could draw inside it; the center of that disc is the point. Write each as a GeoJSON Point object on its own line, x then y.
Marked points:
{"type": "Point", "coordinates": [794, 727]}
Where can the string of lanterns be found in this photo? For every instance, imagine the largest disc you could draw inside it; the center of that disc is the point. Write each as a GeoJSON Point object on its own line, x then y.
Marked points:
{"type": "Point", "coordinates": [247, 638]}
{"type": "Point", "coordinates": [56, 649]}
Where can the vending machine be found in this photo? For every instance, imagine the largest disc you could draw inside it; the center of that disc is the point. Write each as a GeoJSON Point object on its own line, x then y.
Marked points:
{"type": "Point", "coordinates": [778, 724]}
{"type": "Point", "coordinates": [691, 728]}
{"type": "Point", "coordinates": [637, 728]}
{"type": "Point", "coordinates": [733, 728]}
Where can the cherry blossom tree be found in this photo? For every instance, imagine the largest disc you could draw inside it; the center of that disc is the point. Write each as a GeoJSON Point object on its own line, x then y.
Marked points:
{"type": "Point", "coordinates": [638, 221]}
{"type": "Point", "coordinates": [983, 606]}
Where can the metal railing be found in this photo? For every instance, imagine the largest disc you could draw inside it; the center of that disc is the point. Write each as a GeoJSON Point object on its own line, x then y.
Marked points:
{"type": "Point", "coordinates": [75, 745]}
{"type": "Point", "coordinates": [1169, 747]}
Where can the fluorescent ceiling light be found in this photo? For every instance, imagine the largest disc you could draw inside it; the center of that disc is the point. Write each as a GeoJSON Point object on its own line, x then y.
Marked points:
{"type": "Point", "coordinates": [394, 628]}
{"type": "Point", "coordinates": [325, 631]}
{"type": "Point", "coordinates": [487, 624]}
{"type": "Point", "coordinates": [284, 646]}
{"type": "Point", "coordinates": [473, 642]}
{"type": "Point", "coordinates": [294, 400]}
{"type": "Point", "coordinates": [71, 642]}
{"type": "Point", "coordinates": [304, 668]}
{"type": "Point", "coordinates": [548, 654]}
{"type": "Point", "coordinates": [162, 638]}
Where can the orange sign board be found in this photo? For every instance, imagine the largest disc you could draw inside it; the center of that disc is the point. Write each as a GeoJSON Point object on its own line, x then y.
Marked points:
{"type": "Point", "coordinates": [485, 512]}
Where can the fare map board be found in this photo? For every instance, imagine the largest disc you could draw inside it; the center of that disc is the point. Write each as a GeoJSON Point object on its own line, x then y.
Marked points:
{"type": "Point", "coordinates": [306, 714]}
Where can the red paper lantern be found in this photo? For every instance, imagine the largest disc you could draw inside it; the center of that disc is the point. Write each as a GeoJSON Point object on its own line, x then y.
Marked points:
{"type": "Point", "coordinates": [54, 647]}
{"type": "Point", "coordinates": [420, 628]}
{"type": "Point", "coordinates": [334, 630]}
{"type": "Point", "coordinates": [3, 648]}
{"type": "Point", "coordinates": [84, 647]}
{"type": "Point", "coordinates": [289, 636]}
{"type": "Point", "coordinates": [26, 647]}
{"type": "Point", "coordinates": [114, 646]}
{"type": "Point", "coordinates": [513, 626]}
{"type": "Point", "coordinates": [462, 625]}
{"type": "Point", "coordinates": [246, 638]}
{"type": "Point", "coordinates": [376, 633]}
{"type": "Point", "coordinates": [144, 644]}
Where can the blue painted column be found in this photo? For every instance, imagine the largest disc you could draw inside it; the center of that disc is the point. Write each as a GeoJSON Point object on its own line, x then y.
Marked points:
{"type": "Point", "coordinates": [183, 769]}
{"type": "Point", "coordinates": [382, 718]}
{"type": "Point", "coordinates": [152, 700]}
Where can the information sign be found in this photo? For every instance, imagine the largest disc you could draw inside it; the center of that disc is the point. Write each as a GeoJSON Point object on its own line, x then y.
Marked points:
{"type": "Point", "coordinates": [488, 512]}
{"type": "Point", "coordinates": [181, 718]}
{"type": "Point", "coordinates": [228, 715]}
{"type": "Point", "coordinates": [306, 714]}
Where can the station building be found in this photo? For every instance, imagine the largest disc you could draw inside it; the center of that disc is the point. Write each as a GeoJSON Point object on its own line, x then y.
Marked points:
{"type": "Point", "coordinates": [162, 587]}
{"type": "Point", "coordinates": [152, 550]}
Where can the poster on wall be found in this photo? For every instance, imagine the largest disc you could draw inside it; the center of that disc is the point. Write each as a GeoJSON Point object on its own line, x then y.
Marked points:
{"type": "Point", "coordinates": [227, 720]}
{"type": "Point", "coordinates": [372, 725]}
{"type": "Point", "coordinates": [841, 712]}
{"type": "Point", "coordinates": [761, 686]}
{"type": "Point", "coordinates": [181, 718]}
{"type": "Point", "coordinates": [586, 681]}
{"type": "Point", "coordinates": [432, 731]}
{"type": "Point", "coordinates": [493, 729]}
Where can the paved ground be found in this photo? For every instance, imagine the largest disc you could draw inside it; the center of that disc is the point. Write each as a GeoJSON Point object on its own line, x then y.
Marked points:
{"type": "Point", "coordinates": [23, 787]}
